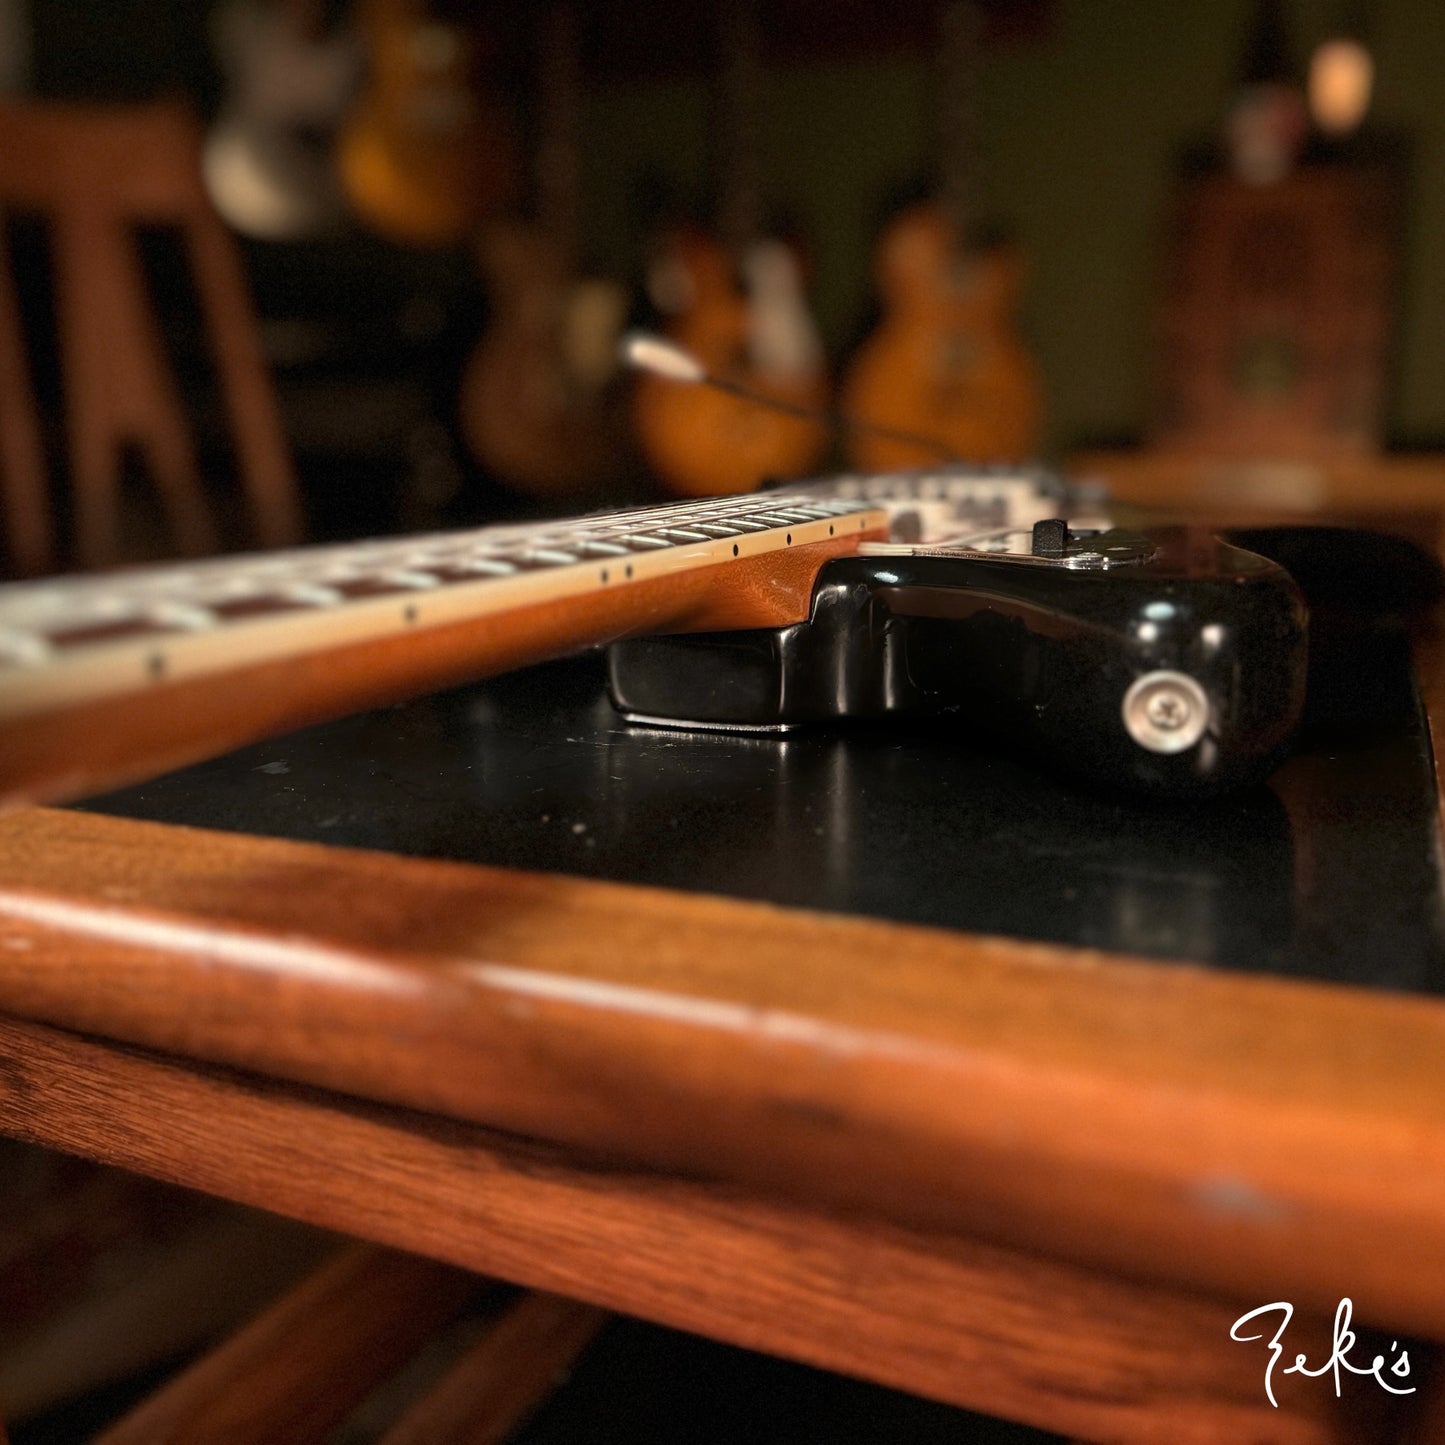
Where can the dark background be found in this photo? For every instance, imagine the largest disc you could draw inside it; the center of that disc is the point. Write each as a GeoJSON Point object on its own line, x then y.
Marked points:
{"type": "Point", "coordinates": [1084, 112]}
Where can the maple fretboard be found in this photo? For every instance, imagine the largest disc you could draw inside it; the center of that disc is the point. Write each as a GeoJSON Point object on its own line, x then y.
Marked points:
{"type": "Point", "coordinates": [94, 664]}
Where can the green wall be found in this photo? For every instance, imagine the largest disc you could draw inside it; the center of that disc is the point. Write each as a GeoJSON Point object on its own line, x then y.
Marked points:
{"type": "Point", "coordinates": [1079, 131]}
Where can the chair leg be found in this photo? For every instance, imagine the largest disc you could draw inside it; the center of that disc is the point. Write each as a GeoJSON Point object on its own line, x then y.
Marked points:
{"type": "Point", "coordinates": [120, 390]}
{"type": "Point", "coordinates": [86, 323]}
{"type": "Point", "coordinates": [29, 526]}
{"type": "Point", "coordinates": [266, 467]}
{"type": "Point", "coordinates": [151, 405]}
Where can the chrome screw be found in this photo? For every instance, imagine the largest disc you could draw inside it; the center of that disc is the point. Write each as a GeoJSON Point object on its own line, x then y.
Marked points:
{"type": "Point", "coordinates": [1165, 711]}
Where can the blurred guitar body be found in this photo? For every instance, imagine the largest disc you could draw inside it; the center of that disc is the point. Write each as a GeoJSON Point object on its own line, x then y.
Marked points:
{"type": "Point", "coordinates": [426, 154]}
{"type": "Point", "coordinates": [268, 161]}
{"type": "Point", "coordinates": [946, 362]}
{"type": "Point", "coordinates": [541, 405]}
{"type": "Point", "coordinates": [738, 304]}
{"type": "Point", "coordinates": [701, 441]}
{"type": "Point", "coordinates": [539, 402]}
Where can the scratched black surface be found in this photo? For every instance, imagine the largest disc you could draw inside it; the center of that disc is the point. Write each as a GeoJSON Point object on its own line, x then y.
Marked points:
{"type": "Point", "coordinates": [1328, 872]}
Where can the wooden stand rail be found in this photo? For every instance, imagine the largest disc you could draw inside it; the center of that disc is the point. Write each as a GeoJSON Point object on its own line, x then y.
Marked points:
{"type": "Point", "coordinates": [1246, 1135]}
{"type": "Point", "coordinates": [940, 1315]}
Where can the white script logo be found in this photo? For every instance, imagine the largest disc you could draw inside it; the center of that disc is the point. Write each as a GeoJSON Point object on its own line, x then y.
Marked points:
{"type": "Point", "coordinates": [1344, 1343]}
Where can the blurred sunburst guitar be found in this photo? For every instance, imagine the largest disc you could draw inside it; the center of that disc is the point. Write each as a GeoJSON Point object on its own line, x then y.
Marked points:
{"type": "Point", "coordinates": [737, 303]}
{"type": "Point", "coordinates": [427, 153]}
{"type": "Point", "coordinates": [946, 361]}
{"type": "Point", "coordinates": [541, 404]}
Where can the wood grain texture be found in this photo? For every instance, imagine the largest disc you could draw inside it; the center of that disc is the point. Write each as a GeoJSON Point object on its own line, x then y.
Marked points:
{"type": "Point", "coordinates": [936, 1314]}
{"type": "Point", "coordinates": [298, 1369]}
{"type": "Point", "coordinates": [1264, 1138]}
{"type": "Point", "coordinates": [504, 1377]}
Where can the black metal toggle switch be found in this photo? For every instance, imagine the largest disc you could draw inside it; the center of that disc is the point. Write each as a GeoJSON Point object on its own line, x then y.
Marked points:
{"type": "Point", "coordinates": [1051, 538]}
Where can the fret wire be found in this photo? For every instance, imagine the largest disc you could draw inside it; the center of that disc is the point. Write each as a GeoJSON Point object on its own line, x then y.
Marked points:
{"type": "Point", "coordinates": [186, 616]}
{"type": "Point", "coordinates": [311, 596]}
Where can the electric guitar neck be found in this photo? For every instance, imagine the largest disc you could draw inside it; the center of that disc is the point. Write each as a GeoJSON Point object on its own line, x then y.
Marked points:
{"type": "Point", "coordinates": [111, 679]}
{"type": "Point", "coordinates": [946, 360]}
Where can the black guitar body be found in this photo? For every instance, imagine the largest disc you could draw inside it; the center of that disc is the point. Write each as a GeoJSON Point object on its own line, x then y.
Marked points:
{"type": "Point", "coordinates": [1169, 664]}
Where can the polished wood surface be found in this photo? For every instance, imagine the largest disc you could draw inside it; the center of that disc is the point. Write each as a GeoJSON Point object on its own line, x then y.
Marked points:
{"type": "Point", "coordinates": [935, 1313]}
{"type": "Point", "coordinates": [1298, 487]}
{"type": "Point", "coordinates": [1249, 1135]}
{"type": "Point", "coordinates": [1029, 1180]}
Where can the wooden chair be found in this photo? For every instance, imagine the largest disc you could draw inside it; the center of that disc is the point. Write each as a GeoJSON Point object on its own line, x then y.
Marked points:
{"type": "Point", "coordinates": [95, 174]}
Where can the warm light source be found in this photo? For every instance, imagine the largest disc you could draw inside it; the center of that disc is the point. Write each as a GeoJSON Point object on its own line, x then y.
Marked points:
{"type": "Point", "coordinates": [1342, 79]}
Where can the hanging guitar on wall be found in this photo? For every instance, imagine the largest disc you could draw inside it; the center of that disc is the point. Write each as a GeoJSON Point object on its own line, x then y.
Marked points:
{"type": "Point", "coordinates": [946, 361]}
{"type": "Point", "coordinates": [736, 302]}
{"type": "Point", "coordinates": [269, 162]}
{"type": "Point", "coordinates": [540, 403]}
{"type": "Point", "coordinates": [427, 154]}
